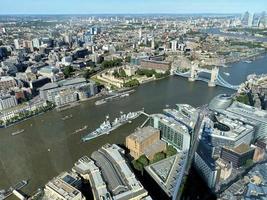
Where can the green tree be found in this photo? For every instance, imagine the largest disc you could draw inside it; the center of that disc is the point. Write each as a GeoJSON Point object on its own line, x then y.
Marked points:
{"type": "Point", "coordinates": [87, 74]}
{"type": "Point", "coordinates": [170, 151]}
{"type": "Point", "coordinates": [132, 83]}
{"type": "Point", "coordinates": [68, 71]}
{"type": "Point", "coordinates": [143, 160]}
{"type": "Point", "coordinates": [116, 73]}
{"type": "Point", "coordinates": [137, 165]}
{"type": "Point", "coordinates": [122, 73]}
{"type": "Point", "coordinates": [249, 163]}
{"type": "Point", "coordinates": [128, 59]}
{"type": "Point", "coordinates": [243, 98]}
{"type": "Point", "coordinates": [159, 156]}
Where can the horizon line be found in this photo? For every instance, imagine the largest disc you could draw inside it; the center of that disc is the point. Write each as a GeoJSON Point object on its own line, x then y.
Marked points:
{"type": "Point", "coordinates": [144, 13]}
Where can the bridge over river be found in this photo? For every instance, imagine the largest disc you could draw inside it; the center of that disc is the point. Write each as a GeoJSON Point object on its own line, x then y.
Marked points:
{"type": "Point", "coordinates": [212, 77]}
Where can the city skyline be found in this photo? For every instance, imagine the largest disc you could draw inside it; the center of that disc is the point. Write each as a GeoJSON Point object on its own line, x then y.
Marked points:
{"type": "Point", "coordinates": [131, 7]}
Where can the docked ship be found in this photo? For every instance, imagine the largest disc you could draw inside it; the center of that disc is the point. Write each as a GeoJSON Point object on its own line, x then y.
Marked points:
{"type": "Point", "coordinates": [4, 194]}
{"type": "Point", "coordinates": [115, 96]}
{"type": "Point", "coordinates": [106, 127]}
{"type": "Point", "coordinates": [17, 132]}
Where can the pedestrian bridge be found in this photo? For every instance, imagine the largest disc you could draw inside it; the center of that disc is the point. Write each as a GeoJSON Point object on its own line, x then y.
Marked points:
{"type": "Point", "coordinates": [212, 77]}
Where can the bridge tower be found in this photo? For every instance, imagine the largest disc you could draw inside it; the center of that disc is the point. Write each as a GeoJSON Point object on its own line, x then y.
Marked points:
{"type": "Point", "coordinates": [193, 74]}
{"type": "Point", "coordinates": [213, 77]}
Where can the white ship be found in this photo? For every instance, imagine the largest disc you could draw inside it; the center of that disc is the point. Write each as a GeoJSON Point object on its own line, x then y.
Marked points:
{"type": "Point", "coordinates": [106, 127]}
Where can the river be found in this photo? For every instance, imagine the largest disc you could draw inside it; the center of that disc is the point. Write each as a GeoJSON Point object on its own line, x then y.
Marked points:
{"type": "Point", "coordinates": [48, 147]}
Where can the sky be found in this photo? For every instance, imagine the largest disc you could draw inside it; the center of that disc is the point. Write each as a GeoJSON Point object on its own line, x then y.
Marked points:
{"type": "Point", "coordinates": [129, 6]}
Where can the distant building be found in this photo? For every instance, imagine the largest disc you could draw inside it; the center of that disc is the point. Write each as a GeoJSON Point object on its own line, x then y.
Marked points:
{"type": "Point", "coordinates": [171, 131]}
{"type": "Point", "coordinates": [52, 73]}
{"type": "Point", "coordinates": [36, 43]}
{"type": "Point", "coordinates": [65, 97]}
{"type": "Point", "coordinates": [158, 66]}
{"type": "Point", "coordinates": [237, 156]}
{"type": "Point", "coordinates": [64, 187]}
{"type": "Point", "coordinates": [7, 82]}
{"type": "Point", "coordinates": [145, 141]}
{"type": "Point", "coordinates": [174, 45]}
{"type": "Point", "coordinates": [7, 101]}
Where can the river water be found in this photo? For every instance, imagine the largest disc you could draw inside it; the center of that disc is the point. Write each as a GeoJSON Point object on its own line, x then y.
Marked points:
{"type": "Point", "coordinates": [48, 145]}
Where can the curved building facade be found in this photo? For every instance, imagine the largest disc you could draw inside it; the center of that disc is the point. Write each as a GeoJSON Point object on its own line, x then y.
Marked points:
{"type": "Point", "coordinates": [221, 102]}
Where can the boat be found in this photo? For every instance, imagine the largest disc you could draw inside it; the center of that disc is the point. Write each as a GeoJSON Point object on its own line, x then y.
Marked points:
{"type": "Point", "coordinates": [4, 194]}
{"type": "Point", "coordinates": [227, 74]}
{"type": "Point", "coordinates": [248, 61]}
{"type": "Point", "coordinates": [66, 117]}
{"type": "Point", "coordinates": [114, 97]}
{"type": "Point", "coordinates": [100, 102]}
{"type": "Point", "coordinates": [17, 132]}
{"type": "Point", "coordinates": [106, 127]}
{"type": "Point", "coordinates": [80, 129]}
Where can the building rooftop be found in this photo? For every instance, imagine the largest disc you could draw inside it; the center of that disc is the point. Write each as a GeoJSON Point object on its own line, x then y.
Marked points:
{"type": "Point", "coordinates": [49, 86]}
{"type": "Point", "coordinates": [72, 81]}
{"type": "Point", "coordinates": [233, 128]}
{"type": "Point", "coordinates": [172, 123]}
{"type": "Point", "coordinates": [143, 133]}
{"type": "Point", "coordinates": [186, 115]}
{"type": "Point", "coordinates": [241, 149]}
{"type": "Point", "coordinates": [248, 111]}
{"type": "Point", "coordinates": [64, 185]}
{"type": "Point", "coordinates": [121, 181]}
{"type": "Point", "coordinates": [168, 172]}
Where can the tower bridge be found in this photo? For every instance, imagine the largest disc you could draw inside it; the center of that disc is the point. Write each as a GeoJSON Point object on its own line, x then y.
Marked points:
{"type": "Point", "coordinates": [194, 74]}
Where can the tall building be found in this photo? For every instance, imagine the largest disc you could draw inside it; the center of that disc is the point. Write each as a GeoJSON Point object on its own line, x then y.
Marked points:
{"type": "Point", "coordinates": [174, 45]}
{"type": "Point", "coordinates": [17, 44]}
{"type": "Point", "coordinates": [36, 43]}
{"type": "Point", "coordinates": [206, 166]}
{"type": "Point", "coordinates": [250, 19]}
{"type": "Point", "coordinates": [140, 34]}
{"type": "Point", "coordinates": [153, 43]}
{"type": "Point", "coordinates": [145, 141]}
{"type": "Point", "coordinates": [171, 131]}
{"type": "Point", "coordinates": [245, 19]}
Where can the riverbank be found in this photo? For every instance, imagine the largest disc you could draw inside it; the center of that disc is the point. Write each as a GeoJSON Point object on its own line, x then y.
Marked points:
{"type": "Point", "coordinates": [49, 131]}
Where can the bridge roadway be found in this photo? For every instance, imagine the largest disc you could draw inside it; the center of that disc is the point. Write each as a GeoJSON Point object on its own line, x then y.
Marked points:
{"type": "Point", "coordinates": [220, 81]}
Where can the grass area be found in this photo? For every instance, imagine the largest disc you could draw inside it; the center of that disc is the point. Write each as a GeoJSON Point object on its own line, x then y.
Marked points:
{"type": "Point", "coordinates": [243, 98]}
{"type": "Point", "coordinates": [140, 163]}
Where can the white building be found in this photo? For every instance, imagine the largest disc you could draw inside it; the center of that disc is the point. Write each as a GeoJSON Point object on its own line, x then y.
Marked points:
{"type": "Point", "coordinates": [7, 101]}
